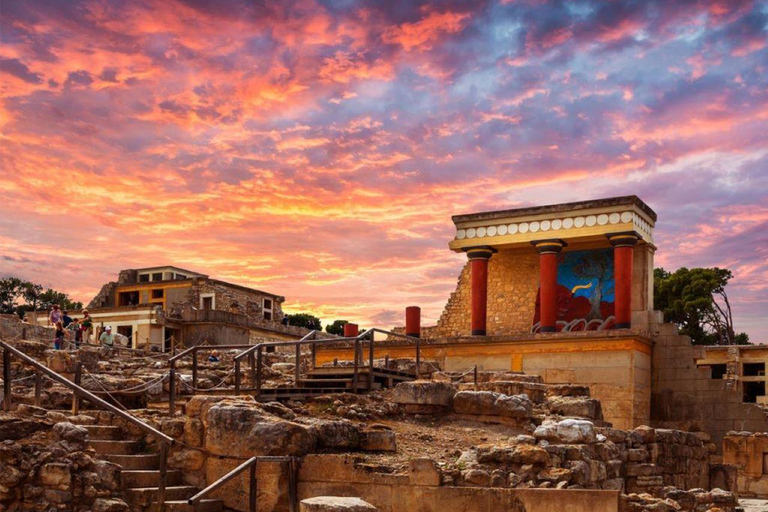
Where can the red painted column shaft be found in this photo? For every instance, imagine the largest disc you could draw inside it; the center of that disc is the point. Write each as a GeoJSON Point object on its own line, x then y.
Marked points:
{"type": "Point", "coordinates": [351, 330]}
{"type": "Point", "coordinates": [548, 252]}
{"type": "Point", "coordinates": [623, 258]}
{"type": "Point", "coordinates": [478, 267]}
{"type": "Point", "coordinates": [548, 291]}
{"type": "Point", "coordinates": [413, 321]}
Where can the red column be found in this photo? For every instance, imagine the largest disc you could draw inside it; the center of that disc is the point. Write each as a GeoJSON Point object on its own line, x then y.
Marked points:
{"type": "Point", "coordinates": [351, 330]}
{"type": "Point", "coordinates": [548, 252]}
{"type": "Point", "coordinates": [478, 263]}
{"type": "Point", "coordinates": [413, 321]}
{"type": "Point", "coordinates": [623, 257]}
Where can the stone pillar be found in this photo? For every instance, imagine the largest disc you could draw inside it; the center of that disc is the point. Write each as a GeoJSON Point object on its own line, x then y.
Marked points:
{"type": "Point", "coordinates": [413, 321]}
{"type": "Point", "coordinates": [548, 252]}
{"type": "Point", "coordinates": [623, 257]}
{"type": "Point", "coordinates": [351, 330]}
{"type": "Point", "coordinates": [478, 262]}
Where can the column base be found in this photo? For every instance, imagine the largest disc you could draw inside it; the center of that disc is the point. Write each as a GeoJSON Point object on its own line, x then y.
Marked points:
{"type": "Point", "coordinates": [478, 332]}
{"type": "Point", "coordinates": [413, 334]}
{"type": "Point", "coordinates": [624, 325]}
{"type": "Point", "coordinates": [547, 329]}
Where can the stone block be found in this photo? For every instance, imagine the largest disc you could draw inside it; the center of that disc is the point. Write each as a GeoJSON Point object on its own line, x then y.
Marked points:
{"type": "Point", "coordinates": [335, 504]}
{"type": "Point", "coordinates": [424, 472]}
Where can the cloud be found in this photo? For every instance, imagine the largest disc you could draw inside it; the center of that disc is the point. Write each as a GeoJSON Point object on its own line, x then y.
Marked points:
{"type": "Point", "coordinates": [319, 149]}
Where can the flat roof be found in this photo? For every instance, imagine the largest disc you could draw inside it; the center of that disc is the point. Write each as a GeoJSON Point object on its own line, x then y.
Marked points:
{"type": "Point", "coordinates": [558, 208]}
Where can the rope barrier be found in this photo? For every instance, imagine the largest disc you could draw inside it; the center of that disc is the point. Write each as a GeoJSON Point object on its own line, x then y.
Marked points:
{"type": "Point", "coordinates": [217, 386]}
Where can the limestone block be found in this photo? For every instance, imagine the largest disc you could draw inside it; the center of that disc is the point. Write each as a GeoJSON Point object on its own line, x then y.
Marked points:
{"type": "Point", "coordinates": [56, 475]}
{"type": "Point", "coordinates": [379, 440]}
{"type": "Point", "coordinates": [424, 472]}
{"type": "Point", "coordinates": [198, 405]}
{"type": "Point", "coordinates": [73, 437]}
{"type": "Point", "coordinates": [337, 434]}
{"type": "Point", "coordinates": [423, 392]}
{"type": "Point", "coordinates": [335, 504]}
{"type": "Point", "coordinates": [580, 407]}
{"type": "Point", "coordinates": [514, 454]}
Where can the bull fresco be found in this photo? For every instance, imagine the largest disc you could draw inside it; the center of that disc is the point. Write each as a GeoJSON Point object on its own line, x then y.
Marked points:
{"type": "Point", "coordinates": [585, 291]}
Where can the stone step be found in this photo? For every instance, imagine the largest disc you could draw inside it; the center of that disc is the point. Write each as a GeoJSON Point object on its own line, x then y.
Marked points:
{"type": "Point", "coordinates": [110, 447]}
{"type": "Point", "coordinates": [148, 478]}
{"type": "Point", "coordinates": [104, 432]}
{"type": "Point", "coordinates": [135, 462]}
{"type": "Point", "coordinates": [143, 496]}
{"type": "Point", "coordinates": [183, 506]}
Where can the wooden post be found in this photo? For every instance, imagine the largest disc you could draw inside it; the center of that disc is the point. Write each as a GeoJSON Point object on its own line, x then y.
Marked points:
{"type": "Point", "coordinates": [194, 367]}
{"type": "Point", "coordinates": [386, 361]}
{"type": "Point", "coordinates": [259, 358]}
{"type": "Point", "coordinates": [418, 359]}
{"type": "Point", "coordinates": [314, 355]}
{"type": "Point", "coordinates": [6, 380]}
{"type": "Point", "coordinates": [237, 376]}
{"type": "Point", "coordinates": [38, 388]}
{"type": "Point", "coordinates": [370, 363]}
{"type": "Point", "coordinates": [252, 488]}
{"type": "Point", "coordinates": [292, 490]}
{"type": "Point", "coordinates": [475, 372]}
{"type": "Point", "coordinates": [173, 346]}
{"type": "Point", "coordinates": [163, 473]}
{"type": "Point", "coordinates": [75, 396]}
{"type": "Point", "coordinates": [252, 359]}
{"type": "Point", "coordinates": [354, 375]}
{"type": "Point", "coordinates": [172, 390]}
{"type": "Point", "coordinates": [297, 370]}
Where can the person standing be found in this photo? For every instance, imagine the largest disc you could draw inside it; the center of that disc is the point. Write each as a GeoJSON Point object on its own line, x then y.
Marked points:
{"type": "Point", "coordinates": [75, 330]}
{"type": "Point", "coordinates": [66, 319]}
{"type": "Point", "coordinates": [86, 326]}
{"type": "Point", "coordinates": [61, 335]}
{"type": "Point", "coordinates": [107, 339]}
{"type": "Point", "coordinates": [55, 315]}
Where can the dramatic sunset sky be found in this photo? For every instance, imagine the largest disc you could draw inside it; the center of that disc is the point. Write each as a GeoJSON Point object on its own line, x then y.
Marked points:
{"type": "Point", "coordinates": [317, 149]}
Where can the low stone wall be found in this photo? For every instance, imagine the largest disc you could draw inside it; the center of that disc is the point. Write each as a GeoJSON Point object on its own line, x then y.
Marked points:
{"type": "Point", "coordinates": [337, 475]}
{"type": "Point", "coordinates": [749, 453]}
{"type": "Point", "coordinates": [11, 328]}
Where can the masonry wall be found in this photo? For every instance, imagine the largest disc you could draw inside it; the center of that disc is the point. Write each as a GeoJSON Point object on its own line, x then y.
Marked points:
{"type": "Point", "coordinates": [749, 453]}
{"type": "Point", "coordinates": [237, 300]}
{"type": "Point", "coordinates": [687, 398]}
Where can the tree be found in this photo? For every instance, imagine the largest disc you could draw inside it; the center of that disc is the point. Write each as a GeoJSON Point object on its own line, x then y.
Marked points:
{"type": "Point", "coordinates": [304, 320]}
{"type": "Point", "coordinates": [695, 300]}
{"type": "Point", "coordinates": [596, 265]}
{"type": "Point", "coordinates": [337, 327]}
{"type": "Point", "coordinates": [19, 296]}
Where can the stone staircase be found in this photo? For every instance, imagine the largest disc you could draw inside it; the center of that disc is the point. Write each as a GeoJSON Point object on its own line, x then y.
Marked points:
{"type": "Point", "coordinates": [141, 475]}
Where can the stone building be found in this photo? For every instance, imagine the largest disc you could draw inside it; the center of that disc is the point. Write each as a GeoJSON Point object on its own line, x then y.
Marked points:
{"type": "Point", "coordinates": [566, 291]}
{"type": "Point", "coordinates": [160, 305]}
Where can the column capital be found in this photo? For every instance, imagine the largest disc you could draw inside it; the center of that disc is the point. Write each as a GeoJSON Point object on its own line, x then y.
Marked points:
{"type": "Point", "coordinates": [550, 245]}
{"type": "Point", "coordinates": [623, 238]}
{"type": "Point", "coordinates": [482, 252]}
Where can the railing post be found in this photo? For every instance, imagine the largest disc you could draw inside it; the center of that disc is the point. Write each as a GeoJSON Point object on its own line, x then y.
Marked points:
{"type": "Point", "coordinates": [386, 361]}
{"type": "Point", "coordinates": [354, 375]}
{"type": "Point", "coordinates": [292, 490]}
{"type": "Point", "coordinates": [252, 487]}
{"type": "Point", "coordinates": [370, 363]}
{"type": "Point", "coordinates": [418, 359]}
{"type": "Point", "coordinates": [75, 396]}
{"type": "Point", "coordinates": [163, 473]}
{"type": "Point", "coordinates": [259, 358]}
{"type": "Point", "coordinates": [314, 355]}
{"type": "Point", "coordinates": [475, 372]}
{"type": "Point", "coordinates": [6, 380]}
{"type": "Point", "coordinates": [172, 390]}
{"type": "Point", "coordinates": [237, 376]}
{"type": "Point", "coordinates": [194, 367]}
{"type": "Point", "coordinates": [38, 388]}
{"type": "Point", "coordinates": [252, 359]}
{"type": "Point", "coordinates": [297, 370]}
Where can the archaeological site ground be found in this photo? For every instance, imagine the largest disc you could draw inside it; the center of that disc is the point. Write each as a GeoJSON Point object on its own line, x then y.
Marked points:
{"type": "Point", "coordinates": [549, 384]}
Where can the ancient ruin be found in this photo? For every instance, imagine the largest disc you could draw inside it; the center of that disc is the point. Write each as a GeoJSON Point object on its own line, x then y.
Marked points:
{"type": "Point", "coordinates": [549, 383]}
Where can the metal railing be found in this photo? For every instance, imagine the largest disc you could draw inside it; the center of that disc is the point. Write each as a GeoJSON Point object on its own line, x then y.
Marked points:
{"type": "Point", "coordinates": [191, 352]}
{"type": "Point", "coordinates": [312, 340]}
{"type": "Point", "coordinates": [81, 393]}
{"type": "Point", "coordinates": [252, 465]}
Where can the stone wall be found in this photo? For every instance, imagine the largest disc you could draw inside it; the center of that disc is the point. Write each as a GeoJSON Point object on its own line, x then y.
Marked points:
{"type": "Point", "coordinates": [749, 453]}
{"type": "Point", "coordinates": [12, 328]}
{"type": "Point", "coordinates": [687, 398]}
{"type": "Point", "coordinates": [237, 300]}
{"type": "Point", "coordinates": [513, 279]}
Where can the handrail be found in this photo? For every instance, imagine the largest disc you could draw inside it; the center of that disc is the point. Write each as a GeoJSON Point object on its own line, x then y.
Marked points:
{"type": "Point", "coordinates": [165, 440]}
{"type": "Point", "coordinates": [252, 482]}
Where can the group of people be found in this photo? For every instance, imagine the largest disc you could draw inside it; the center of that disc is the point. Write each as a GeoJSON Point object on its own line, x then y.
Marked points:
{"type": "Point", "coordinates": [68, 328]}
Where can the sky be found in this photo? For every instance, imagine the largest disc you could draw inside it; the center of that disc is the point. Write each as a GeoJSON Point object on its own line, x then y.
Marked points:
{"type": "Point", "coordinates": [318, 149]}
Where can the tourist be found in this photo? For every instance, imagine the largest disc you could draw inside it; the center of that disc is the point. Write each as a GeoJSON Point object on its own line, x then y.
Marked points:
{"type": "Point", "coordinates": [61, 335]}
{"type": "Point", "coordinates": [25, 320]}
{"type": "Point", "coordinates": [66, 319]}
{"type": "Point", "coordinates": [86, 326]}
{"type": "Point", "coordinates": [54, 316]}
{"type": "Point", "coordinates": [214, 357]}
{"type": "Point", "coordinates": [107, 339]}
{"type": "Point", "coordinates": [74, 328]}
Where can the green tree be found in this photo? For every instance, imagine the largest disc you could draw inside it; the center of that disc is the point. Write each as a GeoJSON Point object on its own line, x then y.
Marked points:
{"type": "Point", "coordinates": [337, 327]}
{"type": "Point", "coordinates": [695, 300]}
{"type": "Point", "coordinates": [19, 296]}
{"type": "Point", "coordinates": [304, 320]}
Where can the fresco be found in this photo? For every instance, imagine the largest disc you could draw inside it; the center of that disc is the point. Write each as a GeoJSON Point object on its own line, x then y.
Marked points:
{"type": "Point", "coordinates": [585, 291]}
